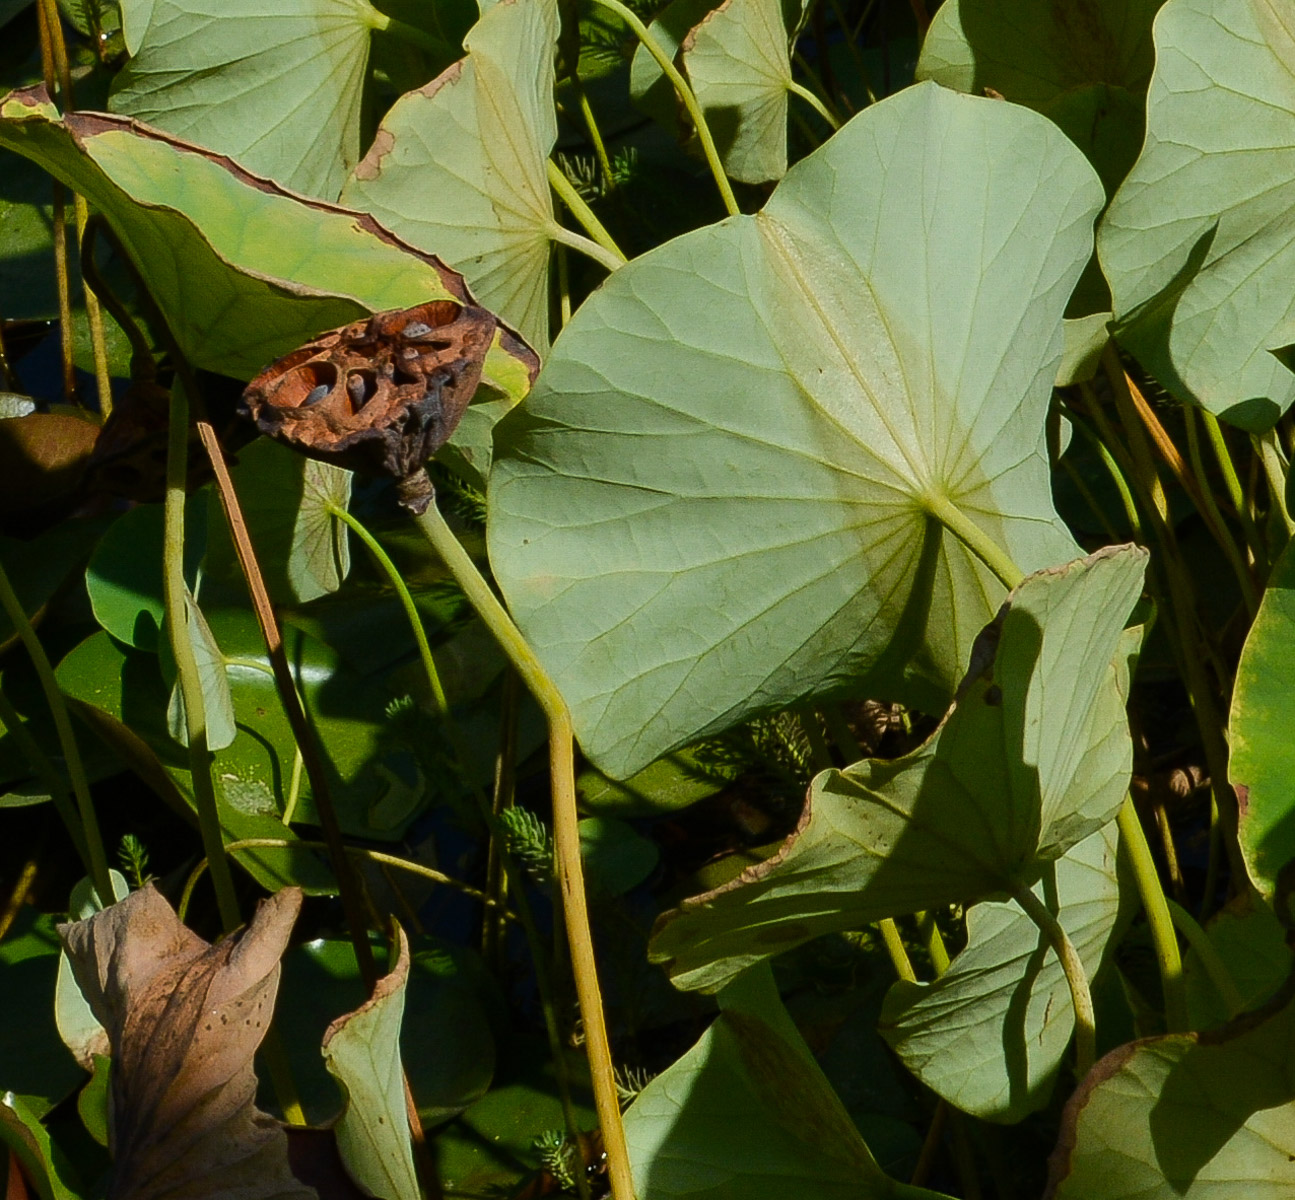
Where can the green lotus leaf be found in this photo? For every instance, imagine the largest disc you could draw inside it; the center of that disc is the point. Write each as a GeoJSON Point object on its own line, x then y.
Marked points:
{"type": "Point", "coordinates": [650, 90]}
{"type": "Point", "coordinates": [124, 575]}
{"type": "Point", "coordinates": [362, 1051]}
{"type": "Point", "coordinates": [738, 61]}
{"type": "Point", "coordinates": [1184, 1117]}
{"type": "Point", "coordinates": [449, 988]}
{"type": "Point", "coordinates": [213, 676]}
{"type": "Point", "coordinates": [990, 1033]}
{"type": "Point", "coordinates": [1033, 53]}
{"type": "Point", "coordinates": [1262, 762]}
{"type": "Point", "coordinates": [1250, 943]}
{"type": "Point", "coordinates": [244, 271]}
{"type": "Point", "coordinates": [747, 1113]}
{"type": "Point", "coordinates": [728, 492]}
{"type": "Point", "coordinates": [1197, 243]}
{"type": "Point", "coordinates": [460, 167]}
{"type": "Point", "coordinates": [276, 84]}
{"type": "Point", "coordinates": [1033, 758]}
{"type": "Point", "coordinates": [288, 502]}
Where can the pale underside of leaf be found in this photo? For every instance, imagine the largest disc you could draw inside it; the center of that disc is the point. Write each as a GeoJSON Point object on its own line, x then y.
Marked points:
{"type": "Point", "coordinates": [1033, 758]}
{"type": "Point", "coordinates": [746, 1113]}
{"type": "Point", "coordinates": [275, 85]}
{"type": "Point", "coordinates": [184, 1020]}
{"type": "Point", "coordinates": [1198, 244]}
{"type": "Point", "coordinates": [719, 499]}
{"type": "Point", "coordinates": [738, 61]}
{"type": "Point", "coordinates": [459, 167]}
{"type": "Point", "coordinates": [362, 1051]}
{"type": "Point", "coordinates": [990, 1033]}
{"type": "Point", "coordinates": [1185, 1117]}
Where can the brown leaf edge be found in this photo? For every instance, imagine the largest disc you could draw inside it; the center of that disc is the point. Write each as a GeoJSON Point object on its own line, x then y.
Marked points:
{"type": "Point", "coordinates": [1110, 1065]}
{"type": "Point", "coordinates": [984, 651]}
{"type": "Point", "coordinates": [82, 125]}
{"type": "Point", "coordinates": [184, 1019]}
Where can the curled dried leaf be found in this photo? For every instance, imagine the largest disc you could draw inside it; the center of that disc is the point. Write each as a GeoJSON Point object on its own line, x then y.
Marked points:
{"type": "Point", "coordinates": [184, 1019]}
{"type": "Point", "coordinates": [379, 396]}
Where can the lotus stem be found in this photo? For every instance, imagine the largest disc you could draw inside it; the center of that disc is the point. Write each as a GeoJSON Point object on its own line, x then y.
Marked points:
{"type": "Point", "coordinates": [1213, 963]}
{"type": "Point", "coordinates": [975, 539]}
{"type": "Point", "coordinates": [98, 860]}
{"type": "Point", "coordinates": [1072, 965]}
{"type": "Point", "coordinates": [608, 253]}
{"type": "Point", "coordinates": [686, 95]}
{"type": "Point", "coordinates": [565, 831]}
{"type": "Point", "coordinates": [1159, 922]}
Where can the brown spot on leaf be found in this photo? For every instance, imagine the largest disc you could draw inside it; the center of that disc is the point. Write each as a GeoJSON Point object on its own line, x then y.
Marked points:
{"type": "Point", "coordinates": [1243, 797]}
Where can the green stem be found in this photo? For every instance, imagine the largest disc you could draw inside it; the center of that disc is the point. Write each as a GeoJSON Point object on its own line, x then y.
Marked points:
{"type": "Point", "coordinates": [176, 595]}
{"type": "Point", "coordinates": [595, 134]}
{"type": "Point", "coordinates": [610, 256]}
{"type": "Point", "coordinates": [935, 946]}
{"type": "Point", "coordinates": [568, 237]}
{"type": "Point", "coordinates": [975, 539]}
{"type": "Point", "coordinates": [1156, 906]}
{"type": "Point", "coordinates": [686, 95]}
{"type": "Point", "coordinates": [1214, 965]}
{"type": "Point", "coordinates": [1081, 997]}
{"type": "Point", "coordinates": [1112, 469]}
{"type": "Point", "coordinates": [374, 856]}
{"type": "Point", "coordinates": [410, 34]}
{"type": "Point", "coordinates": [1275, 473]}
{"type": "Point", "coordinates": [1207, 495]}
{"type": "Point", "coordinates": [797, 89]}
{"type": "Point", "coordinates": [98, 860]}
{"type": "Point", "coordinates": [48, 774]}
{"type": "Point", "coordinates": [1236, 493]}
{"type": "Point", "coordinates": [565, 829]}
{"type": "Point", "coordinates": [894, 943]}
{"type": "Point", "coordinates": [406, 602]}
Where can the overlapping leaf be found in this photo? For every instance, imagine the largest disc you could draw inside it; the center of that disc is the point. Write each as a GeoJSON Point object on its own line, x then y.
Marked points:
{"type": "Point", "coordinates": [746, 1114]}
{"type": "Point", "coordinates": [724, 495]}
{"type": "Point", "coordinates": [362, 1050]}
{"type": "Point", "coordinates": [244, 271]}
{"type": "Point", "coordinates": [990, 1033]}
{"type": "Point", "coordinates": [1185, 1117]}
{"type": "Point", "coordinates": [1033, 758]}
{"type": "Point", "coordinates": [1031, 54]}
{"type": "Point", "coordinates": [738, 61]}
{"type": "Point", "coordinates": [275, 85]}
{"type": "Point", "coordinates": [459, 167]}
{"type": "Point", "coordinates": [1199, 241]}
{"type": "Point", "coordinates": [1262, 763]}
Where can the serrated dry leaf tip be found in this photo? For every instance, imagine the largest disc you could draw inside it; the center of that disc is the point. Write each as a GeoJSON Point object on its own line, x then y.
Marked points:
{"type": "Point", "coordinates": [184, 1019]}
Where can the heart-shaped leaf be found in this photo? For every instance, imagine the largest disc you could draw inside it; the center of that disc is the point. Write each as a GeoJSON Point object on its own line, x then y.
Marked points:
{"type": "Point", "coordinates": [729, 491]}
{"type": "Point", "coordinates": [747, 1110]}
{"type": "Point", "coordinates": [1197, 244]}
{"type": "Point", "coordinates": [276, 85]}
{"type": "Point", "coordinates": [1033, 758]}
{"type": "Point", "coordinates": [244, 270]}
{"type": "Point", "coordinates": [738, 61]}
{"type": "Point", "coordinates": [989, 1034]}
{"type": "Point", "coordinates": [1184, 1117]}
{"type": "Point", "coordinates": [477, 139]}
{"type": "Point", "coordinates": [184, 1019]}
{"type": "Point", "coordinates": [288, 501]}
{"type": "Point", "coordinates": [362, 1051]}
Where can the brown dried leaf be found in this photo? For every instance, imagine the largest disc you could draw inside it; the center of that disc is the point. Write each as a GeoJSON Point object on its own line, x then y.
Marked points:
{"type": "Point", "coordinates": [184, 1019]}
{"type": "Point", "coordinates": [379, 396]}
